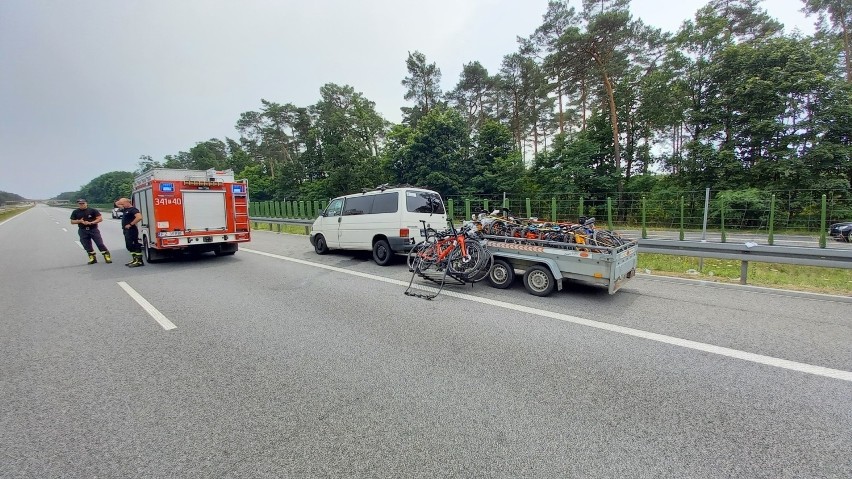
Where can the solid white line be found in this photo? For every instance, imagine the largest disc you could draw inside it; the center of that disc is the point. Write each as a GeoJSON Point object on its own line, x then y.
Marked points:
{"type": "Point", "coordinates": [148, 307]}
{"type": "Point", "coordinates": [685, 343]}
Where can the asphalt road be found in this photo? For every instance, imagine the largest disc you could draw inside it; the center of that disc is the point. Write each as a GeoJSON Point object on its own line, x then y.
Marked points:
{"type": "Point", "coordinates": [283, 363]}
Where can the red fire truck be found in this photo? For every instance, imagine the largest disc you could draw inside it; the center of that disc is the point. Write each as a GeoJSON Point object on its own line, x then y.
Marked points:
{"type": "Point", "coordinates": [191, 211]}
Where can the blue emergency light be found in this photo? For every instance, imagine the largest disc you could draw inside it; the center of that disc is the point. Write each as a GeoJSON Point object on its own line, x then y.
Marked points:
{"type": "Point", "coordinates": [238, 189]}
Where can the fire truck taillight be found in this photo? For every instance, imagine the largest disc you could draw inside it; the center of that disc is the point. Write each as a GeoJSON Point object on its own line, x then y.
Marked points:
{"type": "Point", "coordinates": [171, 242]}
{"type": "Point", "coordinates": [241, 236]}
{"type": "Point", "coordinates": [403, 232]}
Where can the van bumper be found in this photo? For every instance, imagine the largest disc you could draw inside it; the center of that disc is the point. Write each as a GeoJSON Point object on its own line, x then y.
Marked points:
{"type": "Point", "coordinates": [401, 245]}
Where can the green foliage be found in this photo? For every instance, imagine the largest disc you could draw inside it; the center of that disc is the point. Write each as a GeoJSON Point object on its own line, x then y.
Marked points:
{"type": "Point", "coordinates": [107, 188]}
{"type": "Point", "coordinates": [431, 155]}
{"type": "Point", "coordinates": [744, 208]}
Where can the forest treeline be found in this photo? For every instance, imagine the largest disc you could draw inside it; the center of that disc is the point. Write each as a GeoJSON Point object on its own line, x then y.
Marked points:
{"type": "Point", "coordinates": [593, 102]}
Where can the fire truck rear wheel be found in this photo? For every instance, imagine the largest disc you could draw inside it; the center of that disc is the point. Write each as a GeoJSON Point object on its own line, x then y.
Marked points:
{"type": "Point", "coordinates": [224, 252]}
{"type": "Point", "coordinates": [151, 255]}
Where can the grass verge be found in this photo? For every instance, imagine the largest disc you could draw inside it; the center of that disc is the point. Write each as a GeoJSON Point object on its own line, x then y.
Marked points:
{"type": "Point", "coordinates": [6, 214]}
{"type": "Point", "coordinates": [773, 275]}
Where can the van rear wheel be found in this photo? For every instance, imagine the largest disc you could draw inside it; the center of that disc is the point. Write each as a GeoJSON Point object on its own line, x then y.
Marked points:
{"type": "Point", "coordinates": [382, 253]}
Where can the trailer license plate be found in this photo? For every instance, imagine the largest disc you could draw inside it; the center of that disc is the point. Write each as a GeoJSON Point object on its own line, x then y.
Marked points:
{"type": "Point", "coordinates": [208, 239]}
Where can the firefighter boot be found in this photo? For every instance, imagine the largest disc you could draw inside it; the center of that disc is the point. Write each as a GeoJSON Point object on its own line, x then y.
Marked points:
{"type": "Point", "coordinates": [92, 258]}
{"type": "Point", "coordinates": [137, 260]}
{"type": "Point", "coordinates": [107, 257]}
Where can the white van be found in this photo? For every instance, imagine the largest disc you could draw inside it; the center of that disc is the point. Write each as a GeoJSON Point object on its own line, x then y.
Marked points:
{"type": "Point", "coordinates": [384, 221]}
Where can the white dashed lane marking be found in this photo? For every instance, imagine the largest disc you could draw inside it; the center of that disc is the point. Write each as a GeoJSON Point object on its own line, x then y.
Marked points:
{"type": "Point", "coordinates": [148, 307]}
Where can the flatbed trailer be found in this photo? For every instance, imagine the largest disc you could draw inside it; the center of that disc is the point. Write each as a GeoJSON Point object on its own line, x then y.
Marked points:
{"type": "Point", "coordinates": [547, 263]}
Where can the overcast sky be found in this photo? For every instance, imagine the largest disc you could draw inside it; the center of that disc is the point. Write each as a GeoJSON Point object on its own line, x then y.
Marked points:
{"type": "Point", "coordinates": [87, 86]}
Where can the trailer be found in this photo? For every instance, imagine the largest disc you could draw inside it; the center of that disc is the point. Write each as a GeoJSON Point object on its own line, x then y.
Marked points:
{"type": "Point", "coordinates": [191, 211]}
{"type": "Point", "coordinates": [546, 264]}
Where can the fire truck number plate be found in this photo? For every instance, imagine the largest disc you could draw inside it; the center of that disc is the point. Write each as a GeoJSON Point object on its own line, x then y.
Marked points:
{"type": "Point", "coordinates": [167, 201]}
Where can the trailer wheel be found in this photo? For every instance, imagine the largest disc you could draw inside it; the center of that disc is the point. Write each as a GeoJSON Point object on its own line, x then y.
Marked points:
{"type": "Point", "coordinates": [539, 280]}
{"type": "Point", "coordinates": [502, 274]}
{"type": "Point", "coordinates": [382, 253]}
{"type": "Point", "coordinates": [320, 246]}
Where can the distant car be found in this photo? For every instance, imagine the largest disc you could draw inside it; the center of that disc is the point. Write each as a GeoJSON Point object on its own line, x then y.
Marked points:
{"type": "Point", "coordinates": [117, 213]}
{"type": "Point", "coordinates": [841, 231]}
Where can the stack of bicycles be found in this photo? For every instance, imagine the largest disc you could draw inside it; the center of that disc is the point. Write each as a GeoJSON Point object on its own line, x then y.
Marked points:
{"type": "Point", "coordinates": [557, 234]}
{"type": "Point", "coordinates": [458, 256]}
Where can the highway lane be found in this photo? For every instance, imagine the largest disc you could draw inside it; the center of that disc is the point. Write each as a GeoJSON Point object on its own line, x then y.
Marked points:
{"type": "Point", "coordinates": [285, 368]}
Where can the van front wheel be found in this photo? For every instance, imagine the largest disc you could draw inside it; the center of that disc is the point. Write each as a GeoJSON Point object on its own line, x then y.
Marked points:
{"type": "Point", "coordinates": [382, 253]}
{"type": "Point", "coordinates": [320, 245]}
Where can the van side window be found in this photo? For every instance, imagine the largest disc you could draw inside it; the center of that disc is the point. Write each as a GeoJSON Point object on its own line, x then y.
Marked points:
{"type": "Point", "coordinates": [424, 202]}
{"type": "Point", "coordinates": [357, 205]}
{"type": "Point", "coordinates": [335, 207]}
{"type": "Point", "coordinates": [385, 203]}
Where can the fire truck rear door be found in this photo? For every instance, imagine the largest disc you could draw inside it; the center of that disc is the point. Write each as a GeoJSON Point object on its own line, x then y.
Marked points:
{"type": "Point", "coordinates": [204, 210]}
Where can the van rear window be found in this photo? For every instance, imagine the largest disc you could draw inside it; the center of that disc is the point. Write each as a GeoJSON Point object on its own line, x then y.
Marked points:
{"type": "Point", "coordinates": [424, 202]}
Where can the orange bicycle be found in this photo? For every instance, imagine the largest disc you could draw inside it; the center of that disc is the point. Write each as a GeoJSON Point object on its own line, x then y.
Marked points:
{"type": "Point", "coordinates": [458, 254]}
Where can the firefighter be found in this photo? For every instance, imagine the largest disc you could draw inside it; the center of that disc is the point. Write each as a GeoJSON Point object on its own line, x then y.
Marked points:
{"type": "Point", "coordinates": [87, 220]}
{"type": "Point", "coordinates": [129, 219]}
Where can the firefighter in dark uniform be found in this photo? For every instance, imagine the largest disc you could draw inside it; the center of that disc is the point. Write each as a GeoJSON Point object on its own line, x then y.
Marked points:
{"type": "Point", "coordinates": [129, 220]}
{"type": "Point", "coordinates": [87, 220]}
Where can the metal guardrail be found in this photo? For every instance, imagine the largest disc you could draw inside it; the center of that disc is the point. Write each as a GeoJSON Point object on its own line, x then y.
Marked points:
{"type": "Point", "coordinates": [284, 221]}
{"type": "Point", "coordinates": [746, 252]}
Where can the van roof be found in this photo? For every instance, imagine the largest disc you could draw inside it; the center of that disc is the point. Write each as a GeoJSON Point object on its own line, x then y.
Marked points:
{"type": "Point", "coordinates": [389, 190]}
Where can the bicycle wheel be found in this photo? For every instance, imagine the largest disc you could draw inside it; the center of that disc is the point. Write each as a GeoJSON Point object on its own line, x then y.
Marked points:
{"type": "Point", "coordinates": [422, 256]}
{"type": "Point", "coordinates": [470, 268]}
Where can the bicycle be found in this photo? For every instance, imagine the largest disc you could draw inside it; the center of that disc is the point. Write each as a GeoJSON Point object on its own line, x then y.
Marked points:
{"type": "Point", "coordinates": [454, 253]}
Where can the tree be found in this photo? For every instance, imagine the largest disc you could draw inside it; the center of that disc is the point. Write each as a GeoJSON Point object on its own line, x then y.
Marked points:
{"type": "Point", "coordinates": [431, 154]}
{"type": "Point", "coordinates": [349, 132]}
{"type": "Point", "coordinates": [423, 83]}
{"type": "Point", "coordinates": [496, 165]}
{"type": "Point", "coordinates": [473, 94]}
{"type": "Point", "coordinates": [108, 187]}
{"type": "Point", "coordinates": [609, 30]}
{"type": "Point", "coordinates": [835, 17]}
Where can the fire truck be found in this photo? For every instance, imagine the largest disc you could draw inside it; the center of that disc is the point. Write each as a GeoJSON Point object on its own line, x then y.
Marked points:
{"type": "Point", "coordinates": [191, 211]}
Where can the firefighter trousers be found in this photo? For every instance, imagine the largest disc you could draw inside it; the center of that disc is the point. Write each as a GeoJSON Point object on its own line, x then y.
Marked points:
{"type": "Point", "coordinates": [131, 240]}
{"type": "Point", "coordinates": [89, 234]}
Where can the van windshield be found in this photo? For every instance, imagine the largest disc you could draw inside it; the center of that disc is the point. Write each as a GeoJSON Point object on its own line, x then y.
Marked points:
{"type": "Point", "coordinates": [424, 202]}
